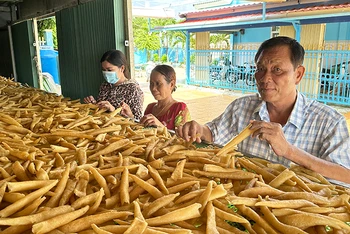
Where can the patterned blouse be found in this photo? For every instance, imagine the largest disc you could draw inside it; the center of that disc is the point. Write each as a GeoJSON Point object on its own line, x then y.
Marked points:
{"type": "Point", "coordinates": [128, 91]}
{"type": "Point", "coordinates": [177, 114]}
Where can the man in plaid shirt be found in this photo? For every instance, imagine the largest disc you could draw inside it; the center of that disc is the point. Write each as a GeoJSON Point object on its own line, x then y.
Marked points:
{"type": "Point", "coordinates": [288, 126]}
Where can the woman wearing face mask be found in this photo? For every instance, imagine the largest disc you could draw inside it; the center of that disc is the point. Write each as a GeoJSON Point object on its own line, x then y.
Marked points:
{"type": "Point", "coordinates": [166, 111]}
{"type": "Point", "coordinates": [118, 90]}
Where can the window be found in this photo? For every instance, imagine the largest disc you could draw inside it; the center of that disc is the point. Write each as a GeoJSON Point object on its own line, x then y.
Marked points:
{"type": "Point", "coordinates": [275, 31]}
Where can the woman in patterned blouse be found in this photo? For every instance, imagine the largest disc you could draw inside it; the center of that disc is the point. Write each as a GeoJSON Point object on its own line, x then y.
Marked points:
{"type": "Point", "coordinates": [166, 111]}
{"type": "Point", "coordinates": [118, 90]}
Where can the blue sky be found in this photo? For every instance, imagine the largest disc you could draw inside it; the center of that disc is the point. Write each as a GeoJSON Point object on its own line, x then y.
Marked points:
{"type": "Point", "coordinates": [170, 6]}
{"type": "Point", "coordinates": [173, 7]}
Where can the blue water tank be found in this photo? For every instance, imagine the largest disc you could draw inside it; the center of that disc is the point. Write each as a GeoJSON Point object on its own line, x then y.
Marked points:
{"type": "Point", "coordinates": [49, 63]}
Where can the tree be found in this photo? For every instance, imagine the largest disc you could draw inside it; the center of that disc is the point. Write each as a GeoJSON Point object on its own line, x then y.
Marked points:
{"type": "Point", "coordinates": [145, 39]}
{"type": "Point", "coordinates": [192, 41]}
{"type": "Point", "coordinates": [180, 38]}
{"type": "Point", "coordinates": [155, 57]}
{"type": "Point", "coordinates": [219, 40]}
{"type": "Point", "coordinates": [164, 58]}
{"type": "Point", "coordinates": [48, 23]}
{"type": "Point", "coordinates": [165, 36]}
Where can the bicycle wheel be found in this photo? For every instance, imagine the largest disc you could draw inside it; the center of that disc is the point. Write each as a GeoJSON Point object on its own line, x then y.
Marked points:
{"type": "Point", "coordinates": [232, 77]}
{"type": "Point", "coordinates": [250, 80]}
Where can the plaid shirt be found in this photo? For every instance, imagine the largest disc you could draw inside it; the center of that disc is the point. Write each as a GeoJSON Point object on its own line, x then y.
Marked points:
{"type": "Point", "coordinates": [312, 127]}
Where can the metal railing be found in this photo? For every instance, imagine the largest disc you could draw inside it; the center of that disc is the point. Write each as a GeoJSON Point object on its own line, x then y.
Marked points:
{"type": "Point", "coordinates": [326, 79]}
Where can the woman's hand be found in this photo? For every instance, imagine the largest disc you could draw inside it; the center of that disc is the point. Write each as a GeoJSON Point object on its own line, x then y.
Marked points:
{"type": "Point", "coordinates": [150, 121]}
{"type": "Point", "coordinates": [126, 110]}
{"type": "Point", "coordinates": [90, 99]}
{"type": "Point", "coordinates": [106, 105]}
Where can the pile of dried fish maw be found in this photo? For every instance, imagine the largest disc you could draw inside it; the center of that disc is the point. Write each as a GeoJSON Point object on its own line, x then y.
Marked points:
{"type": "Point", "coordinates": [70, 167]}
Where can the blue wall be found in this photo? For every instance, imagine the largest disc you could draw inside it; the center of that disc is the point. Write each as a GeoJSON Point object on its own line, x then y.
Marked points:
{"type": "Point", "coordinates": [140, 56]}
{"type": "Point", "coordinates": [49, 63]}
{"type": "Point", "coordinates": [175, 55]}
{"type": "Point", "coordinates": [337, 31]}
{"type": "Point", "coordinates": [252, 35]}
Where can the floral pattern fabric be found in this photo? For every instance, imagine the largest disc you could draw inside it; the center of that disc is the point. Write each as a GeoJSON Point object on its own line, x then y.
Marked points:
{"type": "Point", "coordinates": [128, 92]}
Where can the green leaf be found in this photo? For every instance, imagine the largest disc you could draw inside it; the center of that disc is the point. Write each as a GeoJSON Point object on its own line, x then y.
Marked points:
{"type": "Point", "coordinates": [48, 23]}
{"type": "Point", "coordinates": [236, 225]}
{"type": "Point", "coordinates": [145, 39]}
{"type": "Point", "coordinates": [233, 207]}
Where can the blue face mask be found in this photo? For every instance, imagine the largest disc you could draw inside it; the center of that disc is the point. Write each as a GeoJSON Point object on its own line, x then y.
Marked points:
{"type": "Point", "coordinates": [110, 76]}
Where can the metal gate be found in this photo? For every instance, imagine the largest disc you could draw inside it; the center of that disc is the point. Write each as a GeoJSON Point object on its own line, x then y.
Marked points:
{"type": "Point", "coordinates": [327, 76]}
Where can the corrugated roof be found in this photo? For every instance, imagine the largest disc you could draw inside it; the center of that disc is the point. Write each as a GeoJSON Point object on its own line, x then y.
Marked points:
{"type": "Point", "coordinates": [253, 16]}
{"type": "Point", "coordinates": [218, 9]}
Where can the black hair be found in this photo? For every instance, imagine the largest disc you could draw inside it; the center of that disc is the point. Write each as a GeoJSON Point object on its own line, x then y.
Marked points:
{"type": "Point", "coordinates": [168, 72]}
{"type": "Point", "coordinates": [117, 58]}
{"type": "Point", "coordinates": [297, 51]}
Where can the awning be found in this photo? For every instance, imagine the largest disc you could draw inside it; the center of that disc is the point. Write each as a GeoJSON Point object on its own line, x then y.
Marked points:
{"type": "Point", "coordinates": [253, 18]}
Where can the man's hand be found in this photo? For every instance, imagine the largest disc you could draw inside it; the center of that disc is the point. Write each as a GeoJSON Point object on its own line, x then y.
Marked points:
{"type": "Point", "coordinates": [273, 134]}
{"type": "Point", "coordinates": [193, 131]}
